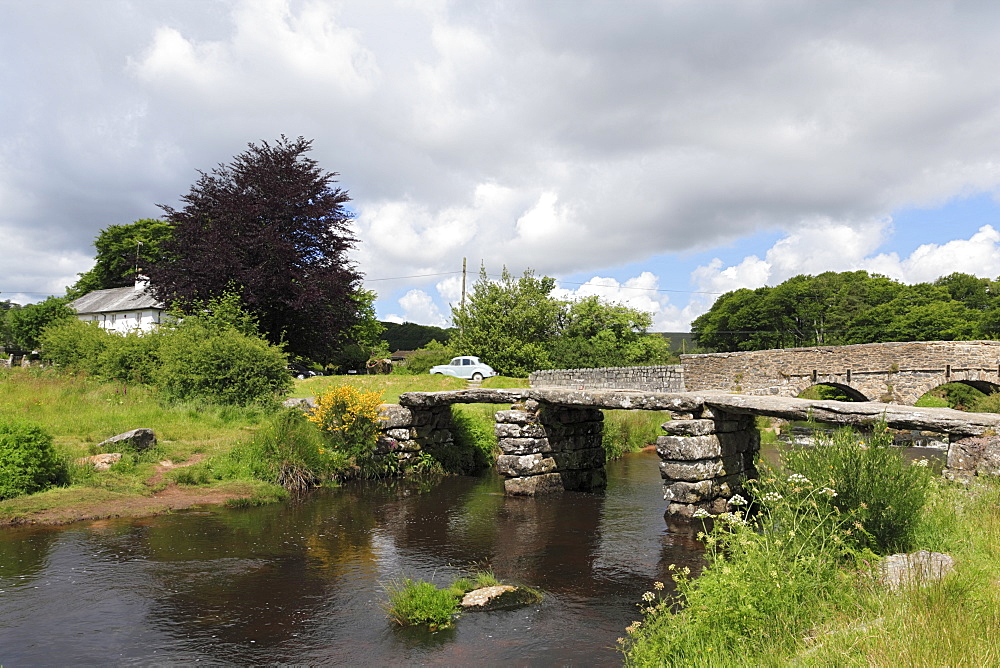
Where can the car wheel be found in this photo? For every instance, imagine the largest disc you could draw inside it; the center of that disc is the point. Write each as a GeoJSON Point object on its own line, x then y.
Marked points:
{"type": "Point", "coordinates": [477, 376]}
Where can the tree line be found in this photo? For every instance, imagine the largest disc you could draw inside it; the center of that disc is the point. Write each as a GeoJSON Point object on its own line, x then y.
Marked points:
{"type": "Point", "coordinates": [840, 308]}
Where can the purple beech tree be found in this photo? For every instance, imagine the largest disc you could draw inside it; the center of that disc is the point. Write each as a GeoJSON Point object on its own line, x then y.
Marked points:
{"type": "Point", "coordinates": [272, 227]}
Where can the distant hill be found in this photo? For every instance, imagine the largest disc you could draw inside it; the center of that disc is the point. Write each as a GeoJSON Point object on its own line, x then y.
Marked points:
{"type": "Point", "coordinates": [410, 336]}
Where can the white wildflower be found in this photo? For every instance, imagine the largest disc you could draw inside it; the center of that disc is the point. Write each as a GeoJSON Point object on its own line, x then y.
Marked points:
{"type": "Point", "coordinates": [737, 500]}
{"type": "Point", "coordinates": [771, 496]}
{"type": "Point", "coordinates": [798, 479]}
{"type": "Point", "coordinates": [701, 512]}
{"type": "Point", "coordinates": [920, 462]}
{"type": "Point", "coordinates": [829, 492]}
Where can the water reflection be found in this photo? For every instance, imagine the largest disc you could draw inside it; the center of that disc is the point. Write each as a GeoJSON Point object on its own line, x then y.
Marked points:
{"type": "Point", "coordinates": [303, 583]}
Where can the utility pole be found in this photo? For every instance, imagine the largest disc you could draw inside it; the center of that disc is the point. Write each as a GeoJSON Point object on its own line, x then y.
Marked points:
{"type": "Point", "coordinates": [463, 284]}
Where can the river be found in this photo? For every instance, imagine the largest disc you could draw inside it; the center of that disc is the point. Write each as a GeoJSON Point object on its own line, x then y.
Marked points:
{"type": "Point", "coordinates": [302, 582]}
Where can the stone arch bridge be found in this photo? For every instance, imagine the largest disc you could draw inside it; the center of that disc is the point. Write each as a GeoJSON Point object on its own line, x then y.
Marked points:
{"type": "Point", "coordinates": [898, 373]}
{"type": "Point", "coordinates": [550, 438]}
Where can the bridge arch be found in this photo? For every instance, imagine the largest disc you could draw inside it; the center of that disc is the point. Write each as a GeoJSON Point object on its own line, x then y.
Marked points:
{"type": "Point", "coordinates": [853, 393]}
{"type": "Point", "coordinates": [984, 386]}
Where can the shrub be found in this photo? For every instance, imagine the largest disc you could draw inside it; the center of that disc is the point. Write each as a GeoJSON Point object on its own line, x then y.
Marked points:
{"type": "Point", "coordinates": [421, 361]}
{"type": "Point", "coordinates": [220, 365]}
{"type": "Point", "coordinates": [349, 417]}
{"type": "Point", "coordinates": [74, 344]}
{"type": "Point", "coordinates": [28, 461]}
{"type": "Point", "coordinates": [288, 451]}
{"type": "Point", "coordinates": [133, 357]}
{"type": "Point", "coordinates": [874, 485]}
{"type": "Point", "coordinates": [418, 602]}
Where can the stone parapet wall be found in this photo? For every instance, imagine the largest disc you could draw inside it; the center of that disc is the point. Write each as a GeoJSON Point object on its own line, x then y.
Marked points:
{"type": "Point", "coordinates": [548, 448]}
{"type": "Point", "coordinates": [662, 378]}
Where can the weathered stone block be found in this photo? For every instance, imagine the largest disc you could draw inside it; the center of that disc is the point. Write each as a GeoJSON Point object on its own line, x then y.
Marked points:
{"type": "Point", "coordinates": [522, 465]}
{"type": "Point", "coordinates": [394, 416]}
{"type": "Point", "coordinates": [702, 469]}
{"type": "Point", "coordinates": [523, 446]}
{"type": "Point", "coordinates": [546, 483]}
{"type": "Point", "coordinates": [714, 507]}
{"type": "Point", "coordinates": [689, 427]}
{"type": "Point", "coordinates": [702, 490]}
{"type": "Point", "coordinates": [400, 434]}
{"type": "Point", "coordinates": [516, 417]}
{"type": "Point", "coordinates": [975, 454]}
{"type": "Point", "coordinates": [510, 430]}
{"type": "Point", "coordinates": [580, 459]}
{"type": "Point", "coordinates": [705, 447]}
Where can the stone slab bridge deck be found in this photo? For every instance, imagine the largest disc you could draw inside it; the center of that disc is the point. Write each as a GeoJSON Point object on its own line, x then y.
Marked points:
{"type": "Point", "coordinates": [550, 438]}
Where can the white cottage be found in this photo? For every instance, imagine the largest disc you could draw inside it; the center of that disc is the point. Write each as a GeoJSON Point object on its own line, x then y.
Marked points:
{"type": "Point", "coordinates": [120, 310]}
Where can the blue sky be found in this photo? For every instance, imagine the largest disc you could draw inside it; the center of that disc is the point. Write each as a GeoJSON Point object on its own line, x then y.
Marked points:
{"type": "Point", "coordinates": [684, 148]}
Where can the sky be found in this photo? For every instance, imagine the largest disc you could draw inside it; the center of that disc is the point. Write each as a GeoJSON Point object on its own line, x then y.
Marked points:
{"type": "Point", "coordinates": [655, 153]}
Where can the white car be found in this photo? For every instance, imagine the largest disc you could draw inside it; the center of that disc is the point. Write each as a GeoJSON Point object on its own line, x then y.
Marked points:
{"type": "Point", "coordinates": [467, 367]}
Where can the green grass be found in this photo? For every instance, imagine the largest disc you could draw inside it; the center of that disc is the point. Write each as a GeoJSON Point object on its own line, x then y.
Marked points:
{"type": "Point", "coordinates": [796, 584]}
{"type": "Point", "coordinates": [390, 385]}
{"type": "Point", "coordinates": [631, 431]}
{"type": "Point", "coordinates": [418, 602]}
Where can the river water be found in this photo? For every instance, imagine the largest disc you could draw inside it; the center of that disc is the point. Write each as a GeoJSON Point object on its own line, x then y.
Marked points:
{"type": "Point", "coordinates": [303, 582]}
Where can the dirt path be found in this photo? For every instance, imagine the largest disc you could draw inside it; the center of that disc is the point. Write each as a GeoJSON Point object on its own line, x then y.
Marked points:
{"type": "Point", "coordinates": [172, 497]}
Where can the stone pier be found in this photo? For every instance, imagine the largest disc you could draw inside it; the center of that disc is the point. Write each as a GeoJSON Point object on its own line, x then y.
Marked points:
{"type": "Point", "coordinates": [705, 460]}
{"type": "Point", "coordinates": [550, 449]}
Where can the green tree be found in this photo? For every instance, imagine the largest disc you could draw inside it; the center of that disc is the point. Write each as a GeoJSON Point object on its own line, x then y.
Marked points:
{"type": "Point", "coordinates": [26, 324]}
{"type": "Point", "coordinates": [516, 326]}
{"type": "Point", "coordinates": [120, 249]}
{"type": "Point", "coordinates": [510, 323]}
{"type": "Point", "coordinates": [598, 334]}
{"type": "Point", "coordinates": [272, 226]}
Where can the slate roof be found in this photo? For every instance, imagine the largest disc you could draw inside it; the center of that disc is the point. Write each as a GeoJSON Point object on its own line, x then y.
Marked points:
{"type": "Point", "coordinates": [115, 299]}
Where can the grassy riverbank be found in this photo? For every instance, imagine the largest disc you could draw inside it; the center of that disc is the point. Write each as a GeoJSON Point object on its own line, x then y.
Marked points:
{"type": "Point", "coordinates": [194, 461]}
{"type": "Point", "coordinates": [799, 583]}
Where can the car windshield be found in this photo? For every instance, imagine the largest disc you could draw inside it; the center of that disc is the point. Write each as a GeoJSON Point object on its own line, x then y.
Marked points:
{"type": "Point", "coordinates": [457, 361]}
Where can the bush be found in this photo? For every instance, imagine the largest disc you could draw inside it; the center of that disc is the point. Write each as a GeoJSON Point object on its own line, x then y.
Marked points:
{"type": "Point", "coordinates": [766, 583]}
{"type": "Point", "coordinates": [423, 359]}
{"type": "Point", "coordinates": [220, 365]}
{"type": "Point", "coordinates": [132, 358]}
{"type": "Point", "coordinates": [872, 482]}
{"type": "Point", "coordinates": [28, 461]}
{"type": "Point", "coordinates": [349, 418]}
{"type": "Point", "coordinates": [74, 344]}
{"type": "Point", "coordinates": [288, 451]}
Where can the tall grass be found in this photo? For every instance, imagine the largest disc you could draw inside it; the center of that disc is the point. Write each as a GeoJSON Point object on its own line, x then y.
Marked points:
{"type": "Point", "coordinates": [630, 431]}
{"type": "Point", "coordinates": [803, 564]}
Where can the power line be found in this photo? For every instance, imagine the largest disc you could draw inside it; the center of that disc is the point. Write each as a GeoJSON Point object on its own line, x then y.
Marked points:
{"type": "Point", "coordinates": [596, 285]}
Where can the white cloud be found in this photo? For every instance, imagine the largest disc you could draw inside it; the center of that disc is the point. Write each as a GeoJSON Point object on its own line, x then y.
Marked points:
{"type": "Point", "coordinates": [845, 248]}
{"type": "Point", "coordinates": [419, 307]}
{"type": "Point", "coordinates": [566, 137]}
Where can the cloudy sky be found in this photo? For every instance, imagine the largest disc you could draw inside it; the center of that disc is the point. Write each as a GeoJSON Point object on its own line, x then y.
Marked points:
{"type": "Point", "coordinates": [653, 152]}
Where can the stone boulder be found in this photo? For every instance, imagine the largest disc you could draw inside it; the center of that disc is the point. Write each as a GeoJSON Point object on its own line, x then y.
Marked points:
{"type": "Point", "coordinates": [137, 440]}
{"type": "Point", "coordinates": [499, 597]}
{"type": "Point", "coordinates": [916, 568]}
{"type": "Point", "coordinates": [101, 462]}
